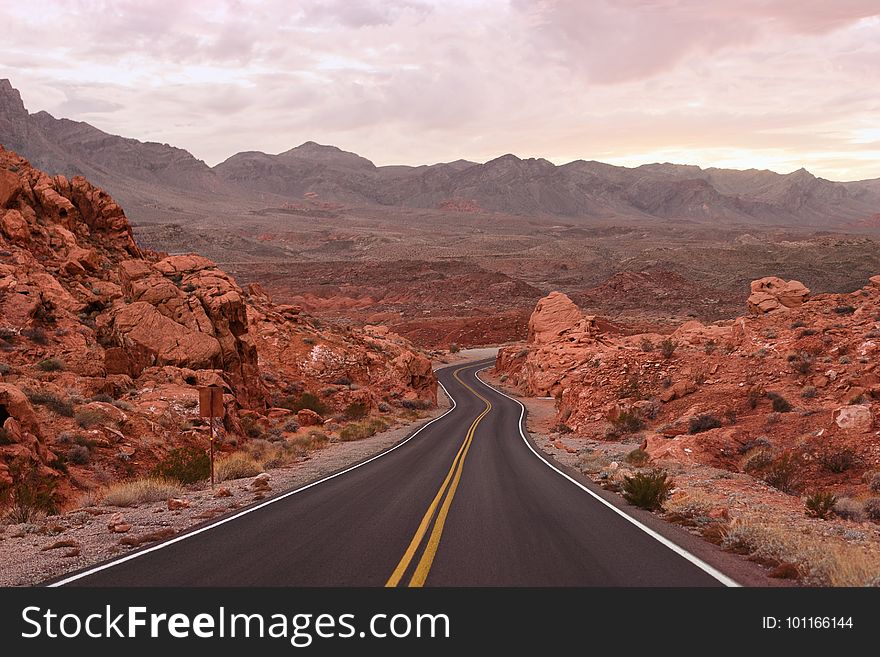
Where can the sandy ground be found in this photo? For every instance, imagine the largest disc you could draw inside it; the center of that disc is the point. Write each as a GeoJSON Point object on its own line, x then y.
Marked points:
{"type": "Point", "coordinates": [465, 356]}
{"type": "Point", "coordinates": [31, 553]}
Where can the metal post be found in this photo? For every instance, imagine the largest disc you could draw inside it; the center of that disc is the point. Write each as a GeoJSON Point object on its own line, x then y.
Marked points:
{"type": "Point", "coordinates": [212, 452]}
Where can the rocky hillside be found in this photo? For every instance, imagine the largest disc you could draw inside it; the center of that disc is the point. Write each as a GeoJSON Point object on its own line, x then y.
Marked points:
{"type": "Point", "coordinates": [102, 346]}
{"type": "Point", "coordinates": [788, 393]}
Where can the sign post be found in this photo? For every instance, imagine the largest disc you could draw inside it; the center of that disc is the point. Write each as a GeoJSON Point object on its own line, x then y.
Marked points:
{"type": "Point", "coordinates": [211, 406]}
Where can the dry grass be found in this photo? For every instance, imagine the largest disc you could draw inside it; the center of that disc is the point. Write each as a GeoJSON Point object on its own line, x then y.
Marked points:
{"type": "Point", "coordinates": [140, 491]}
{"type": "Point", "coordinates": [692, 504]}
{"type": "Point", "coordinates": [237, 465]}
{"type": "Point", "coordinates": [821, 561]}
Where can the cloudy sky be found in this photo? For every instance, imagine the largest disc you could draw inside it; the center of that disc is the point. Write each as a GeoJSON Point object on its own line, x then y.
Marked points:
{"type": "Point", "coordinates": [775, 84]}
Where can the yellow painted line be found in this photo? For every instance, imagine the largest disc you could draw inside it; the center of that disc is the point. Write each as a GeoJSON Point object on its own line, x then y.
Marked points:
{"type": "Point", "coordinates": [453, 475]}
{"type": "Point", "coordinates": [427, 560]}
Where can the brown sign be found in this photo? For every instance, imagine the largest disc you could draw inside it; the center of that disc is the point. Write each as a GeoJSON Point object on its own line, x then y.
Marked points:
{"type": "Point", "coordinates": [211, 401]}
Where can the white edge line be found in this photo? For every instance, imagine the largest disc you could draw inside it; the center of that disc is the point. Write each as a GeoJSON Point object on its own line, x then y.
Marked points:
{"type": "Point", "coordinates": [251, 509]}
{"type": "Point", "coordinates": [699, 563]}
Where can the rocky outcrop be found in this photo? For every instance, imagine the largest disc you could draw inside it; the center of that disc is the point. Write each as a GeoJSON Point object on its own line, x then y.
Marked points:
{"type": "Point", "coordinates": [103, 345]}
{"type": "Point", "coordinates": [801, 384]}
{"type": "Point", "coordinates": [771, 294]}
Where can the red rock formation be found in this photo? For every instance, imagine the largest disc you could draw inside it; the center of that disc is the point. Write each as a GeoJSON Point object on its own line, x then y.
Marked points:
{"type": "Point", "coordinates": [773, 294]}
{"type": "Point", "coordinates": [804, 381]}
{"type": "Point", "coordinates": [84, 313]}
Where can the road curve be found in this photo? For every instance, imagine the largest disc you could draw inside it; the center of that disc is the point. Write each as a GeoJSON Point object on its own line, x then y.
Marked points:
{"type": "Point", "coordinates": [464, 502]}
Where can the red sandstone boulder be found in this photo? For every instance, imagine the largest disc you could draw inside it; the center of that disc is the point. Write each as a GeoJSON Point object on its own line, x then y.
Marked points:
{"type": "Point", "coordinates": [771, 294]}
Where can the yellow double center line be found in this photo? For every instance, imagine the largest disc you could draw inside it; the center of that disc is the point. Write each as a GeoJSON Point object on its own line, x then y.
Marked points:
{"type": "Point", "coordinates": [448, 487]}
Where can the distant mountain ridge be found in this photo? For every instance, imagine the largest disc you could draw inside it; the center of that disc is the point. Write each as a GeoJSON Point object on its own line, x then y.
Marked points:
{"type": "Point", "coordinates": [508, 184]}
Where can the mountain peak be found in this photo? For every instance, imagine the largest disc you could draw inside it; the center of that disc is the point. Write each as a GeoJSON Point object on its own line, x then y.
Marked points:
{"type": "Point", "coordinates": [11, 103]}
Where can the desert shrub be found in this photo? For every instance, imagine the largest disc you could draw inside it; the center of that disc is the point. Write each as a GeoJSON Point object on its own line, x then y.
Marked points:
{"type": "Point", "coordinates": [754, 397]}
{"type": "Point", "coordinates": [784, 472]}
{"type": "Point", "coordinates": [342, 381]}
{"type": "Point", "coordinates": [275, 434]}
{"type": "Point", "coordinates": [37, 335]}
{"type": "Point", "coordinates": [838, 461]}
{"type": "Point", "coordinates": [780, 403]}
{"type": "Point", "coordinates": [638, 457]}
{"type": "Point", "coordinates": [308, 341]}
{"type": "Point", "coordinates": [808, 392]}
{"type": "Point", "coordinates": [770, 334]}
{"type": "Point", "coordinates": [668, 347]}
{"type": "Point", "coordinates": [123, 405]}
{"type": "Point", "coordinates": [5, 368]}
{"type": "Point", "coordinates": [237, 465]}
{"type": "Point", "coordinates": [757, 443]}
{"type": "Point", "coordinates": [104, 398]}
{"type": "Point", "coordinates": [710, 347]}
{"type": "Point", "coordinates": [562, 427]}
{"type": "Point", "coordinates": [355, 431]}
{"type": "Point", "coordinates": [189, 287]}
{"type": "Point", "coordinates": [630, 389]}
{"type": "Point", "coordinates": [251, 427]}
{"type": "Point", "coordinates": [306, 400]}
{"type": "Point", "coordinates": [874, 482]}
{"type": "Point", "coordinates": [454, 348]}
{"type": "Point", "coordinates": [185, 464]}
{"type": "Point", "coordinates": [844, 310]}
{"type": "Point", "coordinates": [79, 455]}
{"type": "Point", "coordinates": [844, 360]}
{"type": "Point", "coordinates": [356, 411]}
{"type": "Point", "coordinates": [646, 344]}
{"type": "Point", "coordinates": [30, 493]}
{"type": "Point", "coordinates": [5, 438]}
{"type": "Point", "coordinates": [820, 504]}
{"type": "Point", "coordinates": [44, 312]}
{"type": "Point", "coordinates": [848, 509]}
{"type": "Point", "coordinates": [50, 365]}
{"type": "Point", "coordinates": [416, 404]}
{"type": "Point", "coordinates": [871, 507]}
{"type": "Point", "coordinates": [798, 324]}
{"type": "Point", "coordinates": [291, 426]}
{"type": "Point", "coordinates": [141, 490]}
{"type": "Point", "coordinates": [648, 490]}
{"type": "Point", "coordinates": [730, 415]}
{"type": "Point", "coordinates": [628, 422]}
{"type": "Point", "coordinates": [801, 362]}
{"type": "Point", "coordinates": [89, 417]}
{"type": "Point", "coordinates": [51, 401]}
{"type": "Point", "coordinates": [704, 422]}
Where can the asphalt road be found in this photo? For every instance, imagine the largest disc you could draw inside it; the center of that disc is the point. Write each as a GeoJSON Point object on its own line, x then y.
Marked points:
{"type": "Point", "coordinates": [464, 502]}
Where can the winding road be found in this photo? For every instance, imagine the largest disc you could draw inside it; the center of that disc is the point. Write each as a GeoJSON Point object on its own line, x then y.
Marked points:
{"type": "Point", "coordinates": [464, 501]}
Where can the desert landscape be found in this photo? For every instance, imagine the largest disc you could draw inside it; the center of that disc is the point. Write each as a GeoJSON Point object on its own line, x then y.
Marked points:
{"type": "Point", "coordinates": [703, 341]}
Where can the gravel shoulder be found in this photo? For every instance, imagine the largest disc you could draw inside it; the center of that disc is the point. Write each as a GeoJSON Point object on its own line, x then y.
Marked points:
{"type": "Point", "coordinates": [701, 492]}
{"type": "Point", "coordinates": [32, 553]}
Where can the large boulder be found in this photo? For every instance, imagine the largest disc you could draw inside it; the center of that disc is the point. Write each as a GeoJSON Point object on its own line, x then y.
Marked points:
{"type": "Point", "coordinates": [857, 418]}
{"type": "Point", "coordinates": [772, 294]}
{"type": "Point", "coordinates": [553, 315]}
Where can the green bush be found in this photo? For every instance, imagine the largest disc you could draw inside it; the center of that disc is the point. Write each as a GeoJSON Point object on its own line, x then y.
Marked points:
{"type": "Point", "coordinates": [185, 464]}
{"type": "Point", "coordinates": [79, 455]}
{"type": "Point", "coordinates": [51, 401]}
{"type": "Point", "coordinates": [820, 504]}
{"type": "Point", "coordinates": [704, 422]}
{"type": "Point", "coordinates": [87, 418]}
{"type": "Point", "coordinates": [356, 411]}
{"type": "Point", "coordinates": [30, 492]}
{"type": "Point", "coordinates": [51, 365]}
{"type": "Point", "coordinates": [871, 508]}
{"type": "Point", "coordinates": [454, 348]}
{"type": "Point", "coordinates": [784, 472]}
{"type": "Point", "coordinates": [648, 490]}
{"type": "Point", "coordinates": [306, 400]}
{"type": "Point", "coordinates": [638, 457]}
{"type": "Point", "coordinates": [780, 403]}
{"type": "Point", "coordinates": [838, 461]}
{"type": "Point", "coordinates": [668, 347]}
{"type": "Point", "coordinates": [252, 428]}
{"type": "Point", "coordinates": [628, 422]}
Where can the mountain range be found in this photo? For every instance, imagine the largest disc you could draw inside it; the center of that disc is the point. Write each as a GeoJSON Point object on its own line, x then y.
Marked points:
{"type": "Point", "coordinates": [140, 172]}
